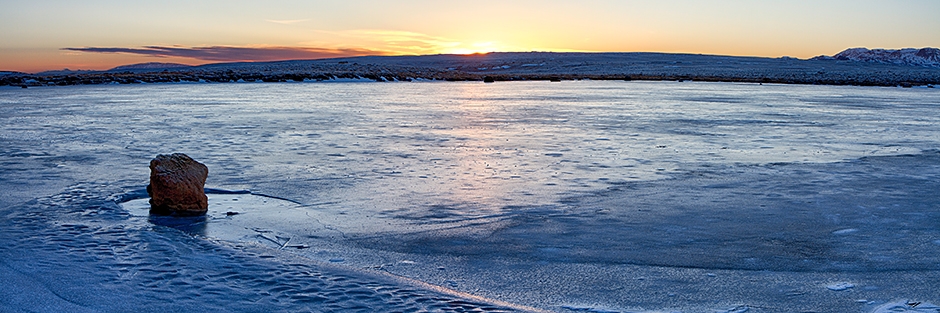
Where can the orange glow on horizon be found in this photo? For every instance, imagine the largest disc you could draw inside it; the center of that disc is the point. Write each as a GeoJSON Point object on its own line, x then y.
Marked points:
{"type": "Point", "coordinates": [475, 48]}
{"type": "Point", "coordinates": [465, 52]}
{"type": "Point", "coordinates": [100, 36]}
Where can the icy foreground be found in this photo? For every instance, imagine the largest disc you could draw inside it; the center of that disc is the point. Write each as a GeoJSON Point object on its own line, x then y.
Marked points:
{"type": "Point", "coordinates": [565, 197]}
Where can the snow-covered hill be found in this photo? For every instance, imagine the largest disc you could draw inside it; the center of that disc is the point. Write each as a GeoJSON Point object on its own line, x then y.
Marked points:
{"type": "Point", "coordinates": [507, 66]}
{"type": "Point", "coordinates": [907, 56]}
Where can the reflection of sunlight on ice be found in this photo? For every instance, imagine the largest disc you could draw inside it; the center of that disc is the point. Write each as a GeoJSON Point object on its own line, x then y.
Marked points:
{"type": "Point", "coordinates": [480, 170]}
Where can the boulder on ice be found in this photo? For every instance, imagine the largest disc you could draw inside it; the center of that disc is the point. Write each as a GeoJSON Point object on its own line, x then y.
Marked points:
{"type": "Point", "coordinates": [177, 186]}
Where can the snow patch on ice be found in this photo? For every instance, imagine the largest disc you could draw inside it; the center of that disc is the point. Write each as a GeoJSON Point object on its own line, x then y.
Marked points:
{"type": "Point", "coordinates": [906, 306]}
{"type": "Point", "coordinates": [350, 80]}
{"type": "Point", "coordinates": [588, 309]}
{"type": "Point", "coordinates": [845, 231]}
{"type": "Point", "coordinates": [840, 286]}
{"type": "Point", "coordinates": [739, 309]}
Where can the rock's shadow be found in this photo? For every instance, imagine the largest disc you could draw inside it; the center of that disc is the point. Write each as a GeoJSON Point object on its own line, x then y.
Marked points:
{"type": "Point", "coordinates": [192, 225]}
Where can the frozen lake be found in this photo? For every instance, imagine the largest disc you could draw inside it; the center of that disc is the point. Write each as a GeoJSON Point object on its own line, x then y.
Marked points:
{"type": "Point", "coordinates": [575, 196]}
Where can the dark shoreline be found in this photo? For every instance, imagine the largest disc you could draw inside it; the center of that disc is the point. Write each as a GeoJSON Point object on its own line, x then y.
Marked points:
{"type": "Point", "coordinates": [516, 66]}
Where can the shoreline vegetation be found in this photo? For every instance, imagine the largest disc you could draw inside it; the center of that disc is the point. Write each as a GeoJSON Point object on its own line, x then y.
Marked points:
{"type": "Point", "coordinates": [508, 66]}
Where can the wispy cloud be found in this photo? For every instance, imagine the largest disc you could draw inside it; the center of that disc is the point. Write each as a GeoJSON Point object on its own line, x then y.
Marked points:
{"type": "Point", "coordinates": [407, 42]}
{"type": "Point", "coordinates": [233, 54]}
{"type": "Point", "coordinates": [287, 21]}
{"type": "Point", "coordinates": [404, 41]}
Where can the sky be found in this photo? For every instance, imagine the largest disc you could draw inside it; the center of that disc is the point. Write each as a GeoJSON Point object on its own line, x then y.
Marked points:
{"type": "Point", "coordinates": [97, 35]}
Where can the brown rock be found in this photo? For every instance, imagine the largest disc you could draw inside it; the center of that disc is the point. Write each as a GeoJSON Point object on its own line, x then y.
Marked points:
{"type": "Point", "coordinates": [176, 186]}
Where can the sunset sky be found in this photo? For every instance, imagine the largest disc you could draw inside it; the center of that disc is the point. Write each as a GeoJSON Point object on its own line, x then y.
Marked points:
{"type": "Point", "coordinates": [46, 35]}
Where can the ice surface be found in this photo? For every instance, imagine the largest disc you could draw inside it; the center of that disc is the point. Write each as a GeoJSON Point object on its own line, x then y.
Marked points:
{"type": "Point", "coordinates": [91, 255]}
{"type": "Point", "coordinates": [578, 196]}
{"type": "Point", "coordinates": [906, 306]}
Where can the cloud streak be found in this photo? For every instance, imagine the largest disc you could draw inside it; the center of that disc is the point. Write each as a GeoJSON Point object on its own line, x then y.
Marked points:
{"type": "Point", "coordinates": [405, 41]}
{"type": "Point", "coordinates": [286, 22]}
{"type": "Point", "coordinates": [234, 54]}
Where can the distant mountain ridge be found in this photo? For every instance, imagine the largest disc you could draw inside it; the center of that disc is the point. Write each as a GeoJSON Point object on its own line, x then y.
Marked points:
{"type": "Point", "coordinates": [66, 72]}
{"type": "Point", "coordinates": [148, 66]}
{"type": "Point", "coordinates": [516, 66]}
{"type": "Point", "coordinates": [907, 56]}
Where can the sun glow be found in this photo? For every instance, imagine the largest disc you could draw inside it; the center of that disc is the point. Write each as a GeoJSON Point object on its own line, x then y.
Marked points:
{"type": "Point", "coordinates": [475, 48]}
